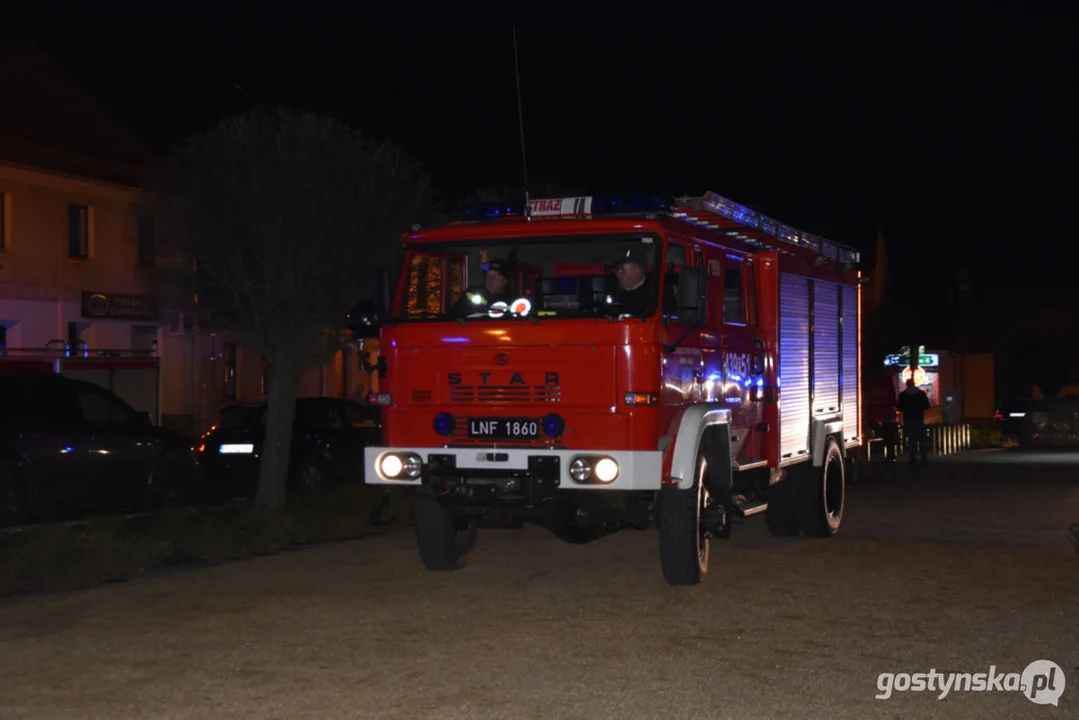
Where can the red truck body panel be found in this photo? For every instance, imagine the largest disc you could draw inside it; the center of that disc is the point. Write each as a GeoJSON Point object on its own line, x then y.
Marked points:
{"type": "Point", "coordinates": [799, 326]}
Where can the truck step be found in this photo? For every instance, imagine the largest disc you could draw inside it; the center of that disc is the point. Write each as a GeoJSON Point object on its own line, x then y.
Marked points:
{"type": "Point", "coordinates": [746, 507]}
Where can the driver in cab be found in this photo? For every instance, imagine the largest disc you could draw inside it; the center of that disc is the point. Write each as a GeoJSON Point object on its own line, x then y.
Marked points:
{"type": "Point", "coordinates": [496, 288]}
{"type": "Point", "coordinates": [632, 295]}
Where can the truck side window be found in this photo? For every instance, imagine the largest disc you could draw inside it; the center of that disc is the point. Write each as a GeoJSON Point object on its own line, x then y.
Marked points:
{"type": "Point", "coordinates": [676, 260]}
{"type": "Point", "coordinates": [734, 309]}
{"type": "Point", "coordinates": [457, 271]}
{"type": "Point", "coordinates": [423, 291]}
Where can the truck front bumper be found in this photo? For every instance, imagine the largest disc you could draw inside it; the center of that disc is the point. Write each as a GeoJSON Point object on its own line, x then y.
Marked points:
{"type": "Point", "coordinates": [524, 473]}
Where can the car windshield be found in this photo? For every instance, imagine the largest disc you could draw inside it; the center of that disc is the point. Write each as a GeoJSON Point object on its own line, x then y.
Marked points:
{"type": "Point", "coordinates": [568, 276]}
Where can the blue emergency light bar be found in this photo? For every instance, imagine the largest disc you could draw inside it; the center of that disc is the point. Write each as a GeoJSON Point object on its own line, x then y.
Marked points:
{"type": "Point", "coordinates": [581, 206]}
{"type": "Point", "coordinates": [612, 205]}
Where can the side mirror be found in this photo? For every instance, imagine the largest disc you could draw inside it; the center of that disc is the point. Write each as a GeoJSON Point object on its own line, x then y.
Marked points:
{"type": "Point", "coordinates": [690, 297]}
{"type": "Point", "coordinates": [365, 320]}
{"type": "Point", "coordinates": [384, 287]}
{"type": "Point", "coordinates": [670, 294]}
{"type": "Point", "coordinates": [143, 419]}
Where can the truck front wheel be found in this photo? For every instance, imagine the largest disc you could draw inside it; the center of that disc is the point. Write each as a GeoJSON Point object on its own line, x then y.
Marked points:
{"type": "Point", "coordinates": [443, 536]}
{"type": "Point", "coordinates": [683, 542]}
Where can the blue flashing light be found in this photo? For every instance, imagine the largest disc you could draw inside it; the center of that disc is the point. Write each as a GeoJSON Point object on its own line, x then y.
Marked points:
{"type": "Point", "coordinates": [760, 382]}
{"type": "Point", "coordinates": [586, 206]}
{"type": "Point", "coordinates": [553, 425]}
{"type": "Point", "coordinates": [715, 377]}
{"type": "Point", "coordinates": [616, 205]}
{"type": "Point", "coordinates": [444, 424]}
{"type": "Point", "coordinates": [454, 339]}
{"type": "Point", "coordinates": [488, 211]}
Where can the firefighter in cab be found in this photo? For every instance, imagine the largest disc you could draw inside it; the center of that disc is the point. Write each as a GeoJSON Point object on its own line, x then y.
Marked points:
{"type": "Point", "coordinates": [497, 288]}
{"type": "Point", "coordinates": [633, 293]}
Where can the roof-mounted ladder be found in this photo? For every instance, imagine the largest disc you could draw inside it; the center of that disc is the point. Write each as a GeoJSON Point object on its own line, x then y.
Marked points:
{"type": "Point", "coordinates": [714, 204]}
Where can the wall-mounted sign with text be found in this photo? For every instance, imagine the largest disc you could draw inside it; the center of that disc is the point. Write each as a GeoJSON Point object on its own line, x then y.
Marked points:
{"type": "Point", "coordinates": [114, 306]}
{"type": "Point", "coordinates": [930, 360]}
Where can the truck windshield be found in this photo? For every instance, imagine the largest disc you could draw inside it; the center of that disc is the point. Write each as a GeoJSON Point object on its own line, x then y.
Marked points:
{"type": "Point", "coordinates": [563, 277]}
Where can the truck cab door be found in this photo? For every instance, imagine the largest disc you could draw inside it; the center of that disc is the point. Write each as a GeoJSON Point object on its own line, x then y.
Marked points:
{"type": "Point", "coordinates": [740, 352]}
{"type": "Point", "coordinates": [683, 369]}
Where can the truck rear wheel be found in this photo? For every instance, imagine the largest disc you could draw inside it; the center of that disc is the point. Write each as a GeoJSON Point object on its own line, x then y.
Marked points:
{"type": "Point", "coordinates": [823, 494]}
{"type": "Point", "coordinates": [683, 544]}
{"type": "Point", "coordinates": [443, 536]}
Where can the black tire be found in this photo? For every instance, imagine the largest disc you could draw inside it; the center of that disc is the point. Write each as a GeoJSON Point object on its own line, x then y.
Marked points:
{"type": "Point", "coordinates": [442, 537]}
{"type": "Point", "coordinates": [13, 498]}
{"type": "Point", "coordinates": [382, 513]}
{"type": "Point", "coordinates": [853, 476]}
{"type": "Point", "coordinates": [683, 548]}
{"type": "Point", "coordinates": [822, 496]}
{"type": "Point", "coordinates": [467, 530]}
{"type": "Point", "coordinates": [781, 515]}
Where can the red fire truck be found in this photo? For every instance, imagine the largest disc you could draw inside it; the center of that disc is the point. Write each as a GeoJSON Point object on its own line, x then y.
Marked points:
{"type": "Point", "coordinates": [734, 391]}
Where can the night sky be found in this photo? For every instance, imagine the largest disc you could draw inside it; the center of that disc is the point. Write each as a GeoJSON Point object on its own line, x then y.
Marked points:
{"type": "Point", "coordinates": [953, 133]}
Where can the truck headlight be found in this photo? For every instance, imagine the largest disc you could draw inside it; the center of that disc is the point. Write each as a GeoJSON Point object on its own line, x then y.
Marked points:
{"type": "Point", "coordinates": [413, 466]}
{"type": "Point", "coordinates": [606, 470]}
{"type": "Point", "coordinates": [580, 470]}
{"type": "Point", "coordinates": [395, 466]}
{"type": "Point", "coordinates": [587, 469]}
{"type": "Point", "coordinates": [391, 466]}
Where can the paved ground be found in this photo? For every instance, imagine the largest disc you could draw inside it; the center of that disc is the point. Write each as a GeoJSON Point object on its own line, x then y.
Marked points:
{"type": "Point", "coordinates": [957, 567]}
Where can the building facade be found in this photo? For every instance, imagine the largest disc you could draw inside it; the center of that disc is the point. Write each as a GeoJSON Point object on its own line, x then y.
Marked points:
{"type": "Point", "coordinates": [77, 262]}
{"type": "Point", "coordinates": [77, 272]}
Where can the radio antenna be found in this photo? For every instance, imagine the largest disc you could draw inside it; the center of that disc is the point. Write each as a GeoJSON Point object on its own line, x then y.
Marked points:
{"type": "Point", "coordinates": [521, 125]}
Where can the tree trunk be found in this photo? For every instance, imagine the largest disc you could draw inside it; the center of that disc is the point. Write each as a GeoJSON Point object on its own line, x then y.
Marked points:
{"type": "Point", "coordinates": [280, 411]}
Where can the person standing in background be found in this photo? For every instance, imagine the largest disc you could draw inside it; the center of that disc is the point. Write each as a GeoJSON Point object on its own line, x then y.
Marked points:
{"type": "Point", "coordinates": [914, 403]}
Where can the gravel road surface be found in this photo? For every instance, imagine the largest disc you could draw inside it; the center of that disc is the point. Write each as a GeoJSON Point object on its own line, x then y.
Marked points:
{"type": "Point", "coordinates": [958, 566]}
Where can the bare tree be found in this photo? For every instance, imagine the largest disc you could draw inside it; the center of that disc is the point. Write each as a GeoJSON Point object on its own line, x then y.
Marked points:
{"type": "Point", "coordinates": [273, 224]}
{"type": "Point", "coordinates": [515, 192]}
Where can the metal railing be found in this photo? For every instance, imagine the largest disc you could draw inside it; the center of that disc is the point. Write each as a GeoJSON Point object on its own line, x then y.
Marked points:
{"type": "Point", "coordinates": [947, 439]}
{"type": "Point", "coordinates": [940, 439]}
{"type": "Point", "coordinates": [60, 348]}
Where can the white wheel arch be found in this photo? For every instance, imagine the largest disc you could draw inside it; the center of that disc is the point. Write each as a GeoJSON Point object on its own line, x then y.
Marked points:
{"type": "Point", "coordinates": [695, 420]}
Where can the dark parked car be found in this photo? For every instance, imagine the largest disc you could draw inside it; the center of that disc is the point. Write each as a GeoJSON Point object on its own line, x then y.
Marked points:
{"type": "Point", "coordinates": [329, 436]}
{"type": "Point", "coordinates": [1050, 423]}
{"type": "Point", "coordinates": [1013, 420]}
{"type": "Point", "coordinates": [69, 447]}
